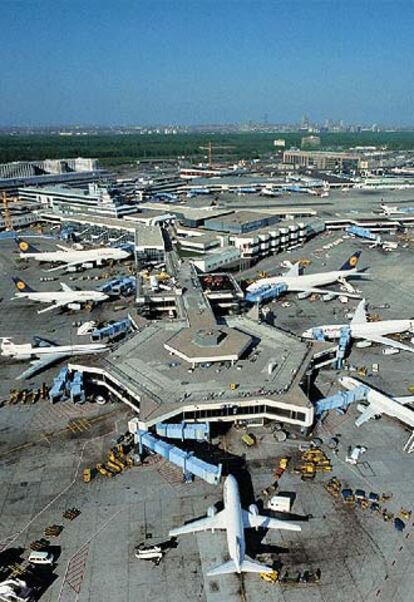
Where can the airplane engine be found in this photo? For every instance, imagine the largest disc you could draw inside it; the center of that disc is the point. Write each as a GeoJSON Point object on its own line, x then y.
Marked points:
{"type": "Point", "coordinates": [212, 511]}
{"type": "Point", "coordinates": [253, 509]}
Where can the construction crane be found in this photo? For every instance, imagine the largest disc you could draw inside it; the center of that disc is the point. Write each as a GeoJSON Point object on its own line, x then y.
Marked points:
{"type": "Point", "coordinates": [8, 222]}
{"type": "Point", "coordinates": [210, 147]}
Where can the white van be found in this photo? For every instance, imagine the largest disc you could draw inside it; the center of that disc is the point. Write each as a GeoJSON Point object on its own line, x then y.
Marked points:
{"type": "Point", "coordinates": [280, 503]}
{"type": "Point", "coordinates": [41, 558]}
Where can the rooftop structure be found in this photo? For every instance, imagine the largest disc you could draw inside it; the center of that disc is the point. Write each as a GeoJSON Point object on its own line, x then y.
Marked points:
{"type": "Point", "coordinates": [240, 222]}
{"type": "Point", "coordinates": [217, 259]}
{"type": "Point", "coordinates": [93, 200]}
{"type": "Point", "coordinates": [148, 240]}
{"type": "Point", "coordinates": [189, 216]}
{"type": "Point", "coordinates": [24, 169]}
{"type": "Point", "coordinates": [195, 368]}
{"type": "Point", "coordinates": [323, 160]}
{"type": "Point", "coordinates": [240, 370]}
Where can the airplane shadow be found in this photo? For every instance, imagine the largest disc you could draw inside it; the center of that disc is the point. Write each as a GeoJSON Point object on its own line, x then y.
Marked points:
{"type": "Point", "coordinates": [38, 578]}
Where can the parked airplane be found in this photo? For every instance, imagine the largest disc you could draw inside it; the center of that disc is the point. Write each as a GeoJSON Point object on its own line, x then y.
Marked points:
{"type": "Point", "coordinates": [44, 352]}
{"type": "Point", "coordinates": [370, 238]}
{"type": "Point", "coordinates": [367, 332]}
{"type": "Point", "coordinates": [308, 283]}
{"type": "Point", "coordinates": [379, 403]}
{"type": "Point", "coordinates": [392, 210]}
{"type": "Point", "coordinates": [71, 257]}
{"type": "Point", "coordinates": [57, 299]}
{"type": "Point", "coordinates": [270, 192]}
{"type": "Point", "coordinates": [234, 520]}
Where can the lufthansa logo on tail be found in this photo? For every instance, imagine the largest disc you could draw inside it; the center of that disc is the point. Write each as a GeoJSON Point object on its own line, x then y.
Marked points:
{"type": "Point", "coordinates": [353, 261]}
{"type": "Point", "coordinates": [23, 245]}
{"type": "Point", "coordinates": [20, 285]}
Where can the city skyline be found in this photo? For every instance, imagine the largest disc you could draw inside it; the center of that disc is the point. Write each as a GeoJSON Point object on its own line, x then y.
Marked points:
{"type": "Point", "coordinates": [169, 62]}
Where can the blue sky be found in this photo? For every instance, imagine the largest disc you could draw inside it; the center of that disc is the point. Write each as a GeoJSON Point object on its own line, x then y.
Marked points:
{"type": "Point", "coordinates": [205, 61]}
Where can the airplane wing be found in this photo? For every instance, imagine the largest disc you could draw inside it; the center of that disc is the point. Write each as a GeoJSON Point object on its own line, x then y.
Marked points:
{"type": "Point", "coordinates": [203, 524]}
{"type": "Point", "coordinates": [321, 291]}
{"type": "Point", "coordinates": [293, 270]}
{"type": "Point", "coordinates": [65, 287]}
{"type": "Point", "coordinates": [251, 520]}
{"type": "Point", "coordinates": [389, 342]}
{"type": "Point", "coordinates": [366, 415]}
{"type": "Point", "coordinates": [405, 399]}
{"type": "Point", "coordinates": [53, 306]}
{"type": "Point", "coordinates": [360, 315]}
{"type": "Point", "coordinates": [41, 364]}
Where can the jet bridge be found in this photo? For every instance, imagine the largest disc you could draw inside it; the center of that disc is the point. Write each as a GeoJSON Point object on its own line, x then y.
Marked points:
{"type": "Point", "coordinates": [119, 286]}
{"type": "Point", "coordinates": [68, 385]}
{"type": "Point", "coordinates": [199, 431]}
{"type": "Point", "coordinates": [266, 293]}
{"type": "Point", "coordinates": [58, 389]}
{"type": "Point", "coordinates": [111, 331]}
{"type": "Point", "coordinates": [187, 461]}
{"type": "Point", "coordinates": [362, 233]}
{"type": "Point", "coordinates": [344, 340]}
{"type": "Point", "coordinates": [343, 344]}
{"type": "Point", "coordinates": [341, 400]}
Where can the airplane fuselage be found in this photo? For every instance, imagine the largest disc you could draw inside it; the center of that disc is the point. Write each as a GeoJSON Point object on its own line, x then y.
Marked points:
{"type": "Point", "coordinates": [361, 331]}
{"type": "Point", "coordinates": [235, 529]}
{"type": "Point", "coordinates": [73, 256]}
{"type": "Point", "coordinates": [298, 283]}
{"type": "Point", "coordinates": [27, 351]}
{"type": "Point", "coordinates": [62, 296]}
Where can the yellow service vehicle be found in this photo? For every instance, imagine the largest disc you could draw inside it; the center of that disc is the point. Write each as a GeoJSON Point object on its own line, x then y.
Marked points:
{"type": "Point", "coordinates": [249, 439]}
{"type": "Point", "coordinates": [270, 577]}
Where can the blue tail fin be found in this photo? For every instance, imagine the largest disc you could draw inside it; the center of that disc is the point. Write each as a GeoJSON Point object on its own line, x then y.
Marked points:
{"type": "Point", "coordinates": [21, 285]}
{"type": "Point", "coordinates": [352, 262]}
{"type": "Point", "coordinates": [25, 247]}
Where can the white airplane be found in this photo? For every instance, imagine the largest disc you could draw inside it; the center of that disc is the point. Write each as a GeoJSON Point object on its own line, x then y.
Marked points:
{"type": "Point", "coordinates": [270, 192]}
{"type": "Point", "coordinates": [15, 590]}
{"type": "Point", "coordinates": [394, 210]}
{"type": "Point", "coordinates": [385, 245]}
{"type": "Point", "coordinates": [57, 299]}
{"type": "Point", "coordinates": [72, 257]}
{"type": "Point", "coordinates": [307, 284]}
{"type": "Point", "coordinates": [378, 404]}
{"type": "Point", "coordinates": [45, 353]}
{"type": "Point", "coordinates": [235, 520]}
{"type": "Point", "coordinates": [366, 332]}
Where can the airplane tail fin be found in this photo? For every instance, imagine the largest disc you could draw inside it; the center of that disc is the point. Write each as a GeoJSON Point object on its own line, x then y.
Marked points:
{"type": "Point", "coordinates": [252, 566]}
{"type": "Point", "coordinates": [26, 247]}
{"type": "Point", "coordinates": [247, 566]}
{"type": "Point", "coordinates": [21, 285]}
{"type": "Point", "coordinates": [352, 262]}
{"type": "Point", "coordinates": [223, 569]}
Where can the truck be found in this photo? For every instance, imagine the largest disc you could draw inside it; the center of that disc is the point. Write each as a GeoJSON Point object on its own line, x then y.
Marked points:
{"type": "Point", "coordinates": [279, 503]}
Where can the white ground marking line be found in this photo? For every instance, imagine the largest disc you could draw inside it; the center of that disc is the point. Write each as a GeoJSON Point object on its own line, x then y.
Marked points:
{"type": "Point", "coordinates": [88, 541]}
{"type": "Point", "coordinates": [58, 495]}
{"type": "Point", "coordinates": [51, 501]}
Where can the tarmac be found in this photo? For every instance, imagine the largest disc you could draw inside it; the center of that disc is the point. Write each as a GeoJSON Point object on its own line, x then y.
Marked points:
{"type": "Point", "coordinates": [361, 557]}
